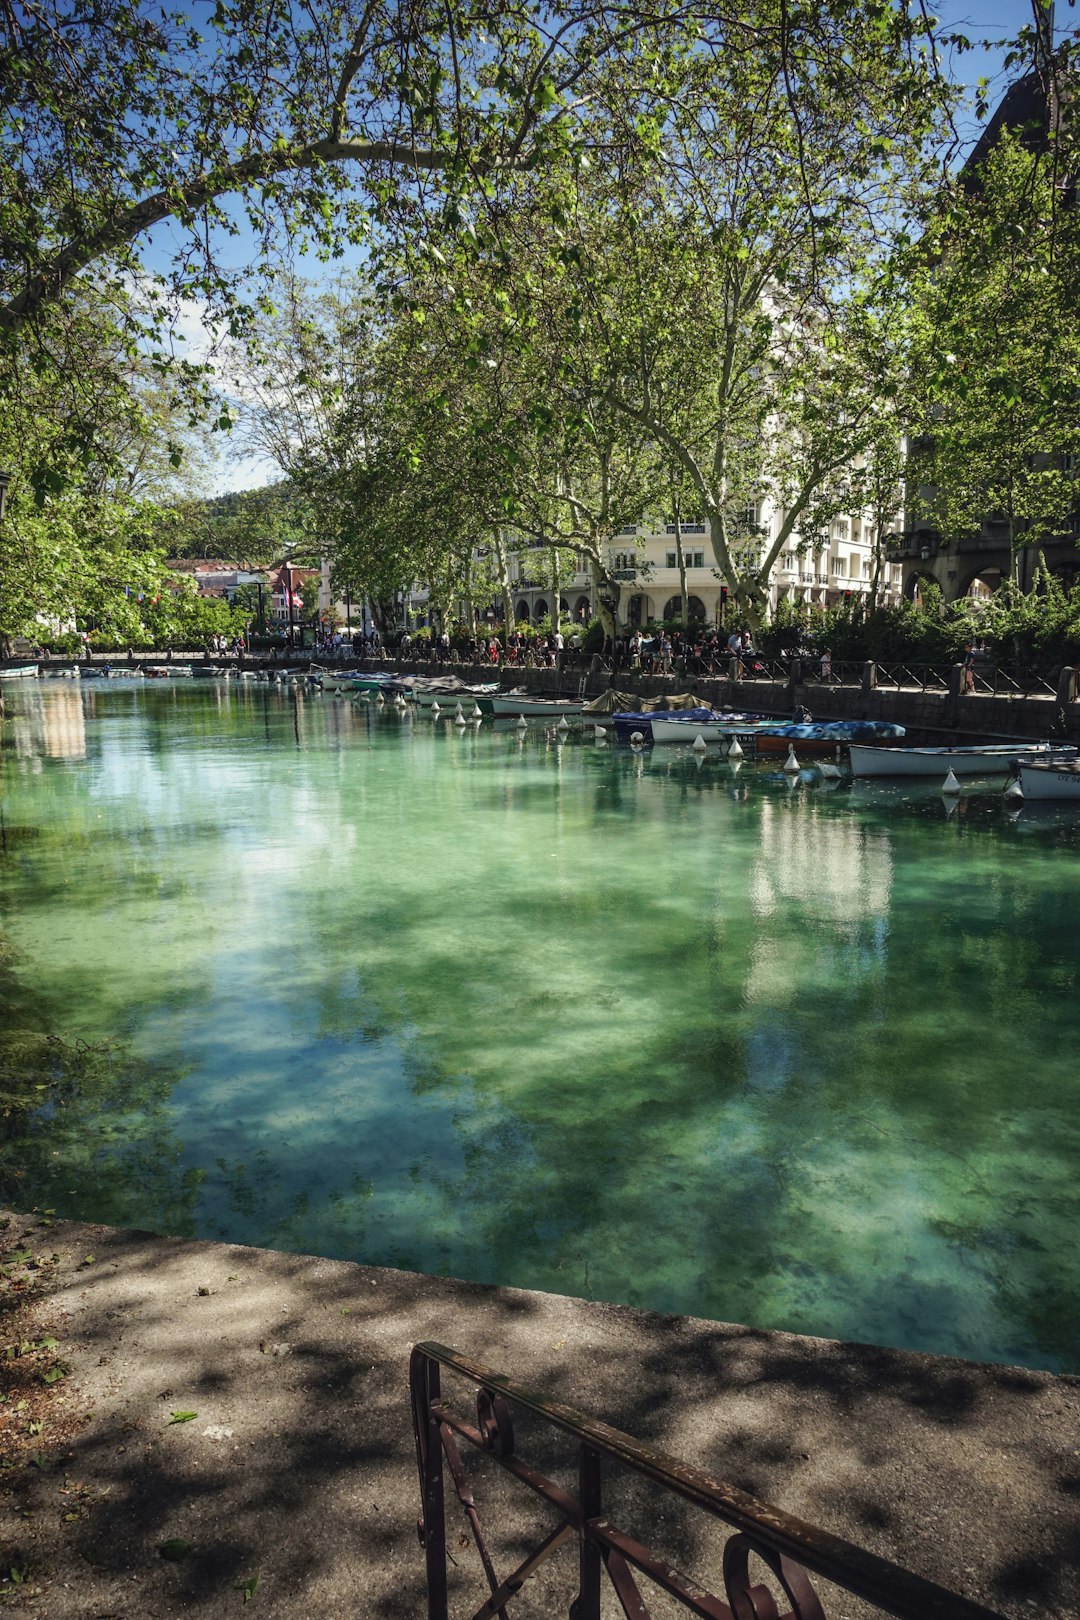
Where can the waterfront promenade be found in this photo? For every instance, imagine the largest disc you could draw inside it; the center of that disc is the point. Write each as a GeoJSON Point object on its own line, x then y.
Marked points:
{"type": "Point", "coordinates": [297, 1466]}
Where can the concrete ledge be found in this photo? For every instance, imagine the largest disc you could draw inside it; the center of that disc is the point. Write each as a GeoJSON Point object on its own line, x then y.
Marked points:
{"type": "Point", "coordinates": [299, 1466]}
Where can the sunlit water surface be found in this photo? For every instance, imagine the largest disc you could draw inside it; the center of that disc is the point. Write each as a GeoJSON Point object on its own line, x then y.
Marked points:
{"type": "Point", "coordinates": [555, 1015]}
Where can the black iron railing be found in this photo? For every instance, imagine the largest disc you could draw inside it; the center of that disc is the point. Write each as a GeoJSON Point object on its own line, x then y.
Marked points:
{"type": "Point", "coordinates": [786, 1546]}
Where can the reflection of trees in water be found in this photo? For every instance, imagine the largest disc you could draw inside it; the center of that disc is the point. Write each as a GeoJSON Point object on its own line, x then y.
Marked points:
{"type": "Point", "coordinates": [321, 1220]}
{"type": "Point", "coordinates": [817, 1135]}
{"type": "Point", "coordinates": [87, 1120]}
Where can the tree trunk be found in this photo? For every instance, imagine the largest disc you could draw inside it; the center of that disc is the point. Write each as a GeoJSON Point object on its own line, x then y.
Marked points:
{"type": "Point", "coordinates": [607, 593]}
{"type": "Point", "coordinates": [509, 616]}
{"type": "Point", "coordinates": [684, 599]}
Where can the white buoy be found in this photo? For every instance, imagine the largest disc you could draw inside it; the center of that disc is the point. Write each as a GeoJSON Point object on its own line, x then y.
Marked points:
{"type": "Point", "coordinates": [563, 725]}
{"type": "Point", "coordinates": [599, 734]}
{"type": "Point", "coordinates": [699, 744]}
{"type": "Point", "coordinates": [829, 771]}
{"type": "Point", "coordinates": [435, 707]}
{"type": "Point", "coordinates": [791, 764]}
{"type": "Point", "coordinates": [459, 713]}
{"type": "Point", "coordinates": [950, 784]}
{"type": "Point", "coordinates": [380, 700]}
{"type": "Point", "coordinates": [734, 752]}
{"type": "Point", "coordinates": [1014, 792]}
{"type": "Point", "coordinates": [522, 723]}
{"type": "Point", "coordinates": [637, 738]}
{"type": "Point", "coordinates": [459, 718]}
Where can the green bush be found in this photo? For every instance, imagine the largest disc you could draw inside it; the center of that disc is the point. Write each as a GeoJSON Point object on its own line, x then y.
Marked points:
{"type": "Point", "coordinates": [1037, 630]}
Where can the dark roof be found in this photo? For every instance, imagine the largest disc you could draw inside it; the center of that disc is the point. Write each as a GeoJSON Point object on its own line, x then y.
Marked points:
{"type": "Point", "coordinates": [1022, 109]}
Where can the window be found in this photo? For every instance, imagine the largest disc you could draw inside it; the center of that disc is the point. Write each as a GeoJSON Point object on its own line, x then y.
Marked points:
{"type": "Point", "coordinates": [868, 568]}
{"type": "Point", "coordinates": [750, 515]}
{"type": "Point", "coordinates": [692, 559]}
{"type": "Point", "coordinates": [629, 528]}
{"type": "Point", "coordinates": [841, 529]}
{"type": "Point", "coordinates": [840, 567]}
{"type": "Point", "coordinates": [623, 560]}
{"type": "Point", "coordinates": [691, 526]}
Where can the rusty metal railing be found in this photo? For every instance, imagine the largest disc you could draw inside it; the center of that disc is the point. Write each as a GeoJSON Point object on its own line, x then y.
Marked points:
{"type": "Point", "coordinates": [787, 1547]}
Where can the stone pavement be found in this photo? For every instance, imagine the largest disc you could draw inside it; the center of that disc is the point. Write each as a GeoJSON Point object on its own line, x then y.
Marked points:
{"type": "Point", "coordinates": [298, 1472]}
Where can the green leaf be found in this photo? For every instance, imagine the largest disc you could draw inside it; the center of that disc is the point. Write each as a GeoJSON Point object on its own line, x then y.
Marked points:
{"type": "Point", "coordinates": [249, 1588]}
{"type": "Point", "coordinates": [181, 1417]}
{"type": "Point", "coordinates": [175, 1551]}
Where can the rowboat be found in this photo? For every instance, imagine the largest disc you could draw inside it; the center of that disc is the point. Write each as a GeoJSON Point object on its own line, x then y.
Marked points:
{"type": "Point", "coordinates": [763, 734]}
{"type": "Point", "coordinates": [822, 736]}
{"type": "Point", "coordinates": [19, 673]}
{"type": "Point", "coordinates": [528, 704]}
{"type": "Point", "coordinates": [1048, 778]}
{"type": "Point", "coordinates": [980, 759]}
{"type": "Point", "coordinates": [683, 725]}
{"type": "Point", "coordinates": [448, 697]}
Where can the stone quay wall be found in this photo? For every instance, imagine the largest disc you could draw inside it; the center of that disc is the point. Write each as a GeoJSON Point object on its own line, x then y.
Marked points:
{"type": "Point", "coordinates": [952, 711]}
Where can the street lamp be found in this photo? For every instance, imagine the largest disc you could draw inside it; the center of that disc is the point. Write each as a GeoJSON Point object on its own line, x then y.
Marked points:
{"type": "Point", "coordinates": [5, 480]}
{"type": "Point", "coordinates": [924, 553]}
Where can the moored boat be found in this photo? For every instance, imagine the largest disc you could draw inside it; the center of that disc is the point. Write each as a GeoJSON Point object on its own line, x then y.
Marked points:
{"type": "Point", "coordinates": [1048, 778]}
{"type": "Point", "coordinates": [685, 725]}
{"type": "Point", "coordinates": [448, 696]}
{"type": "Point", "coordinates": [20, 672]}
{"type": "Point", "coordinates": [977, 759]}
{"type": "Point", "coordinates": [529, 704]}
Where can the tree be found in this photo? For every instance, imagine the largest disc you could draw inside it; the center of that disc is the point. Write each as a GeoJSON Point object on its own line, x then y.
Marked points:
{"type": "Point", "coordinates": [733, 273]}
{"type": "Point", "coordinates": [995, 393]}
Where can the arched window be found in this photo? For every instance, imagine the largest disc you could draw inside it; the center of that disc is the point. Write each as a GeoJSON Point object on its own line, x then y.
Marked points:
{"type": "Point", "coordinates": [695, 607]}
{"type": "Point", "coordinates": [522, 611]}
{"type": "Point", "coordinates": [633, 609]}
{"type": "Point", "coordinates": [581, 609]}
{"type": "Point", "coordinates": [540, 610]}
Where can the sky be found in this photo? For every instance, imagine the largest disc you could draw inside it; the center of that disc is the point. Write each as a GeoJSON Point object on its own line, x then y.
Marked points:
{"type": "Point", "coordinates": [985, 23]}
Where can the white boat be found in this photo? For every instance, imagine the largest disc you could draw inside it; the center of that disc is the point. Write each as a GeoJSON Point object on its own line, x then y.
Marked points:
{"type": "Point", "coordinates": [1048, 778]}
{"type": "Point", "coordinates": [448, 697]}
{"type": "Point", "coordinates": [979, 759]}
{"type": "Point", "coordinates": [529, 705]}
{"type": "Point", "coordinates": [670, 729]}
{"type": "Point", "coordinates": [332, 680]}
{"type": "Point", "coordinates": [19, 673]}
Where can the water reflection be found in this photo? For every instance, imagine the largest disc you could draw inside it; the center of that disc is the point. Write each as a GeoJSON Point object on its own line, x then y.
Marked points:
{"type": "Point", "coordinates": [514, 1007]}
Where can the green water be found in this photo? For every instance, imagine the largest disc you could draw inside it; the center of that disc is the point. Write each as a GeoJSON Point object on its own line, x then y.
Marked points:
{"type": "Point", "coordinates": [560, 1016]}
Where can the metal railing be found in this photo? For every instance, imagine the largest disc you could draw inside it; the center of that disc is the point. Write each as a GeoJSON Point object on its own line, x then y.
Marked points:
{"type": "Point", "coordinates": [924, 677]}
{"type": "Point", "coordinates": [1003, 683]}
{"type": "Point", "coordinates": [786, 1546]}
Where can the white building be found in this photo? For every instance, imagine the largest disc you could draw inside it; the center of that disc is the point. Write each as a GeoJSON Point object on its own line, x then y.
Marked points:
{"type": "Point", "coordinates": [643, 558]}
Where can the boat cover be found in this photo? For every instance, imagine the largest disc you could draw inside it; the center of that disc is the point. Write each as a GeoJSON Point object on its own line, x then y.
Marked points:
{"type": "Point", "coordinates": [834, 730]}
{"type": "Point", "coordinates": [615, 702]}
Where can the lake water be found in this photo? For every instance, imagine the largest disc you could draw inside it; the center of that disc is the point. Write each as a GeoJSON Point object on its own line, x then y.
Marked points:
{"type": "Point", "coordinates": [563, 1016]}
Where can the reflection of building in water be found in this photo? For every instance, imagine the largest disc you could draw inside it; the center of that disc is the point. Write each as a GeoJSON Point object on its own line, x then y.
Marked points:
{"type": "Point", "coordinates": [819, 895]}
{"type": "Point", "coordinates": [63, 722]}
{"type": "Point", "coordinates": [836, 870]}
{"type": "Point", "coordinates": [51, 723]}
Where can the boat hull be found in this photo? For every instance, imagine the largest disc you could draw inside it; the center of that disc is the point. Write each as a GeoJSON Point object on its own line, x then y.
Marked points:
{"type": "Point", "coordinates": [22, 672]}
{"type": "Point", "coordinates": [1058, 779]}
{"type": "Point", "coordinates": [989, 759]}
{"type": "Point", "coordinates": [511, 703]}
